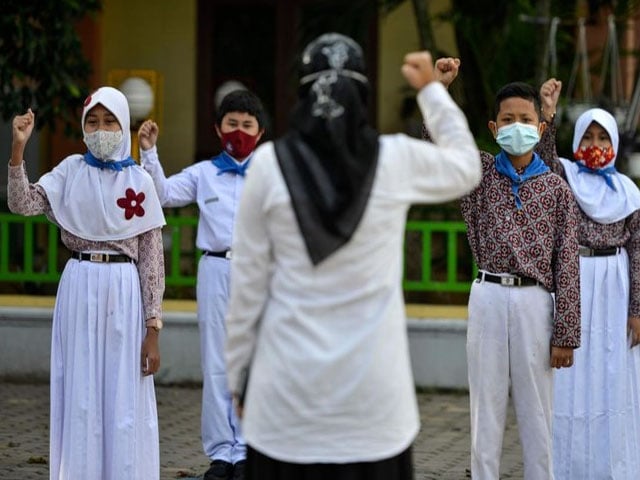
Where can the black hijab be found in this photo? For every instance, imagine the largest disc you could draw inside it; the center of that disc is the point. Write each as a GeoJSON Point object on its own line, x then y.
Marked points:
{"type": "Point", "coordinates": [329, 155]}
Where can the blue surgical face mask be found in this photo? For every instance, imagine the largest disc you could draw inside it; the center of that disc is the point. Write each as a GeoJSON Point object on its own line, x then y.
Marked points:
{"type": "Point", "coordinates": [518, 138]}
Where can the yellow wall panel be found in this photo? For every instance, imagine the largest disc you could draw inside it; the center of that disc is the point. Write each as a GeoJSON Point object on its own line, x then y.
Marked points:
{"type": "Point", "coordinates": [158, 35]}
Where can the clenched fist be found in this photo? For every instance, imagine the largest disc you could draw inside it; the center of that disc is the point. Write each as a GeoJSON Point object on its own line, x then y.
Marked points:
{"type": "Point", "coordinates": [22, 127]}
{"type": "Point", "coordinates": [148, 134]}
{"type": "Point", "coordinates": [418, 69]}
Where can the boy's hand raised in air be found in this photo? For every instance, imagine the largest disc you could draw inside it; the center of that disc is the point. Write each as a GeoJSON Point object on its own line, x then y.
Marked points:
{"type": "Point", "coordinates": [148, 134]}
{"type": "Point", "coordinates": [447, 70]}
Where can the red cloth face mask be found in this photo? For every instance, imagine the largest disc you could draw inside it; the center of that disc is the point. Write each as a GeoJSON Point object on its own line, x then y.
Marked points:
{"type": "Point", "coordinates": [238, 144]}
{"type": "Point", "coordinates": [594, 157]}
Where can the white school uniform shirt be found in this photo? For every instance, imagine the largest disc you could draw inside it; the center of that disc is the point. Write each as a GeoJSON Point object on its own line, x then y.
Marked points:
{"type": "Point", "coordinates": [330, 377]}
{"type": "Point", "coordinates": [217, 197]}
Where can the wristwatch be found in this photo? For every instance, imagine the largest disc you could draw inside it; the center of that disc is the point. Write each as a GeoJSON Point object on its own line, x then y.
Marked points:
{"type": "Point", "coordinates": [155, 323]}
{"type": "Point", "coordinates": [552, 115]}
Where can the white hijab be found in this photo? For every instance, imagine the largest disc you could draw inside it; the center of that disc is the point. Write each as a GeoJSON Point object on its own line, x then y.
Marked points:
{"type": "Point", "coordinates": [598, 201]}
{"type": "Point", "coordinates": [114, 101]}
{"type": "Point", "coordinates": [92, 203]}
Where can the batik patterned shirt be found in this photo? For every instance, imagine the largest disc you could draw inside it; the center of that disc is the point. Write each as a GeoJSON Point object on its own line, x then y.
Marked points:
{"type": "Point", "coordinates": [539, 240]}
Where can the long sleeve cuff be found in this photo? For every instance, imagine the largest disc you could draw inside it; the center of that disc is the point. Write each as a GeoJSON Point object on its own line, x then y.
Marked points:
{"type": "Point", "coordinates": [150, 155]}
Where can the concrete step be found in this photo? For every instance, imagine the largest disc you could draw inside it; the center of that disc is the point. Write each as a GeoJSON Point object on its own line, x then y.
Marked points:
{"type": "Point", "coordinates": [437, 335]}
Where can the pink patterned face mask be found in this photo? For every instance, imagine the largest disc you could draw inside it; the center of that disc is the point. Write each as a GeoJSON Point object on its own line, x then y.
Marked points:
{"type": "Point", "coordinates": [594, 157]}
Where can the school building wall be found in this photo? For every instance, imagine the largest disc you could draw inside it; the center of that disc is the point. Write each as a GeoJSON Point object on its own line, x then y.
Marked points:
{"type": "Point", "coordinates": [161, 36]}
{"type": "Point", "coordinates": [398, 34]}
{"type": "Point", "coordinates": [158, 35]}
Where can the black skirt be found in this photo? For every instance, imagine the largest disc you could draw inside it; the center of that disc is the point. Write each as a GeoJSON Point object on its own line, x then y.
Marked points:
{"type": "Point", "coordinates": [261, 467]}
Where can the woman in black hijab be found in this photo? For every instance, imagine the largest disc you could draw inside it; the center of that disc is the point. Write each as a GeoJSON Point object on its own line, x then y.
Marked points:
{"type": "Point", "coordinates": [316, 304]}
{"type": "Point", "coordinates": [329, 156]}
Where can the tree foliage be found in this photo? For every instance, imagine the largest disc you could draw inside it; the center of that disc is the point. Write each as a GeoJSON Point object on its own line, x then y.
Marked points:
{"type": "Point", "coordinates": [501, 41]}
{"type": "Point", "coordinates": [41, 62]}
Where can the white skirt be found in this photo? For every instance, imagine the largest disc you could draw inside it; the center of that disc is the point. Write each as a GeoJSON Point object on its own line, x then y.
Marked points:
{"type": "Point", "coordinates": [104, 422]}
{"type": "Point", "coordinates": [596, 429]}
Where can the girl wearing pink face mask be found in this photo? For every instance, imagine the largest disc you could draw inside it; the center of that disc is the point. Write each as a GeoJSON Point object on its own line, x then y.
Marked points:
{"type": "Point", "coordinates": [215, 185]}
{"type": "Point", "coordinates": [596, 425]}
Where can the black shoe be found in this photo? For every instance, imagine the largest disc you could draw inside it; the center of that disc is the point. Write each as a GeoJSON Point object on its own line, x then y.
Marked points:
{"type": "Point", "coordinates": [219, 470]}
{"type": "Point", "coordinates": [238, 470]}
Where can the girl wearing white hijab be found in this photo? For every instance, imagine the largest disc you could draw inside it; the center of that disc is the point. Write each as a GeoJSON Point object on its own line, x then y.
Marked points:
{"type": "Point", "coordinates": [596, 427]}
{"type": "Point", "coordinates": [107, 314]}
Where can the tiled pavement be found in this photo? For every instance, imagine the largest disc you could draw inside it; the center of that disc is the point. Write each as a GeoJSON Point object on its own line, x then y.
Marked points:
{"type": "Point", "coordinates": [441, 450]}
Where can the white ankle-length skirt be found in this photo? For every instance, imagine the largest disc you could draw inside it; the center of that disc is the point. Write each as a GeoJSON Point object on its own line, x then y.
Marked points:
{"type": "Point", "coordinates": [104, 422]}
{"type": "Point", "coordinates": [596, 423]}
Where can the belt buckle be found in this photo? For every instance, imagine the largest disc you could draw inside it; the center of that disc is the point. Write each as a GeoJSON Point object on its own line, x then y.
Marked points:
{"type": "Point", "coordinates": [227, 254]}
{"type": "Point", "coordinates": [98, 257]}
{"type": "Point", "coordinates": [508, 281]}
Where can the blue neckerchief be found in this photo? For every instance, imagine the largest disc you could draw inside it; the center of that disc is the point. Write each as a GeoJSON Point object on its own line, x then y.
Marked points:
{"type": "Point", "coordinates": [603, 172]}
{"type": "Point", "coordinates": [505, 167]}
{"type": "Point", "coordinates": [111, 165]}
{"type": "Point", "coordinates": [226, 163]}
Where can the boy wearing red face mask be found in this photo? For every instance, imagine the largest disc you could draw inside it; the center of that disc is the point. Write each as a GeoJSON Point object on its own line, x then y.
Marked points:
{"type": "Point", "coordinates": [596, 419]}
{"type": "Point", "coordinates": [215, 185]}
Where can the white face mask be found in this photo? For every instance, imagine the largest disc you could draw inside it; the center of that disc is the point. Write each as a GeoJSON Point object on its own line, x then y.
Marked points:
{"type": "Point", "coordinates": [103, 144]}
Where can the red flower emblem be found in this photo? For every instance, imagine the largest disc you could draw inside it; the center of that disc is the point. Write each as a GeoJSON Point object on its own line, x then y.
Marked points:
{"type": "Point", "coordinates": [132, 204]}
{"type": "Point", "coordinates": [87, 100]}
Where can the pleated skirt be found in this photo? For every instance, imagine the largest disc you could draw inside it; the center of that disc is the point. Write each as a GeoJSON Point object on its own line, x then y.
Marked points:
{"type": "Point", "coordinates": [104, 422]}
{"type": "Point", "coordinates": [596, 425]}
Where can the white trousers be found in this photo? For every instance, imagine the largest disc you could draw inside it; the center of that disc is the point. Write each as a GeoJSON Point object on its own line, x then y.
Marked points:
{"type": "Point", "coordinates": [221, 435]}
{"type": "Point", "coordinates": [508, 346]}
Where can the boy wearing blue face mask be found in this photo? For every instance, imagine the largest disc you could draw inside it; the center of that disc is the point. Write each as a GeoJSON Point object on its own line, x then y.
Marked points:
{"type": "Point", "coordinates": [523, 232]}
{"type": "Point", "coordinates": [524, 306]}
{"type": "Point", "coordinates": [522, 229]}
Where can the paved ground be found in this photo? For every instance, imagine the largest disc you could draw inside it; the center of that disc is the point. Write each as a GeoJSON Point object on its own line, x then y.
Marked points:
{"type": "Point", "coordinates": [441, 450]}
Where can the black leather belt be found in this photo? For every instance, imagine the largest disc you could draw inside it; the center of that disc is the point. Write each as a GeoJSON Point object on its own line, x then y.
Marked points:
{"type": "Point", "coordinates": [224, 254]}
{"type": "Point", "coordinates": [101, 257]}
{"type": "Point", "coordinates": [510, 281]}
{"type": "Point", "coordinates": [598, 252]}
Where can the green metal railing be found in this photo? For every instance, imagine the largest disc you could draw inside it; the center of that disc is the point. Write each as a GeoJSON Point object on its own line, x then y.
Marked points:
{"type": "Point", "coordinates": [22, 233]}
{"type": "Point", "coordinates": [176, 234]}
{"type": "Point", "coordinates": [445, 263]}
{"type": "Point", "coordinates": [436, 256]}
